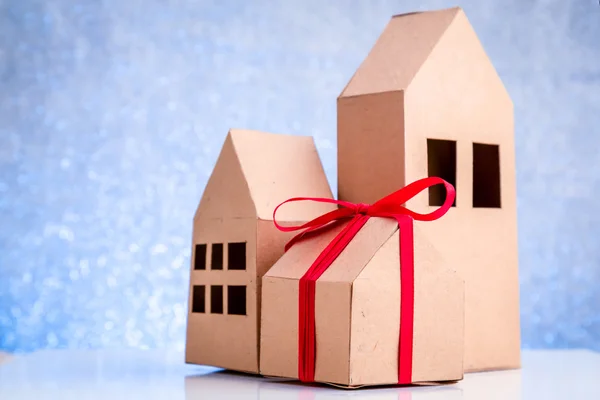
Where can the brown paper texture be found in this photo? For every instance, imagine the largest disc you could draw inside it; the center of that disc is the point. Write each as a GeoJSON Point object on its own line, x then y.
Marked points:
{"type": "Point", "coordinates": [222, 340]}
{"type": "Point", "coordinates": [236, 210]}
{"type": "Point", "coordinates": [357, 311]}
{"type": "Point", "coordinates": [428, 77]}
{"type": "Point", "coordinates": [400, 51]}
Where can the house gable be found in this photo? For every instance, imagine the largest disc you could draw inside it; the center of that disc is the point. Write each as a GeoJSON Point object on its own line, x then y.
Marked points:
{"type": "Point", "coordinates": [438, 316]}
{"type": "Point", "coordinates": [278, 167]}
{"type": "Point", "coordinates": [399, 52]}
{"type": "Point", "coordinates": [458, 78]}
{"type": "Point", "coordinates": [226, 194]}
{"type": "Point", "coordinates": [458, 96]}
{"type": "Point", "coordinates": [256, 171]}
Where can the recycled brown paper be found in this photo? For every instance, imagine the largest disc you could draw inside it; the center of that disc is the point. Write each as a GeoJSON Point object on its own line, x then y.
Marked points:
{"type": "Point", "coordinates": [235, 242]}
{"type": "Point", "coordinates": [427, 101]}
{"type": "Point", "coordinates": [357, 311]}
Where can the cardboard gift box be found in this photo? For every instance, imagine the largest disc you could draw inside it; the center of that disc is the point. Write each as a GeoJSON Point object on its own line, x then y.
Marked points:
{"type": "Point", "coordinates": [427, 101]}
{"type": "Point", "coordinates": [365, 302]}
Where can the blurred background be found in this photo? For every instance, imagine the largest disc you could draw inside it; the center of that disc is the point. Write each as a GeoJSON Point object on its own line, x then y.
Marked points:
{"type": "Point", "coordinates": [112, 114]}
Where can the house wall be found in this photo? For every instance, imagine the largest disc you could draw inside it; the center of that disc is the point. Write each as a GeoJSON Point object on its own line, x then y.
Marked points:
{"type": "Point", "coordinates": [437, 352]}
{"type": "Point", "coordinates": [370, 146]}
{"type": "Point", "coordinates": [455, 96]}
{"type": "Point", "coordinates": [224, 339]}
{"type": "Point", "coordinates": [469, 105]}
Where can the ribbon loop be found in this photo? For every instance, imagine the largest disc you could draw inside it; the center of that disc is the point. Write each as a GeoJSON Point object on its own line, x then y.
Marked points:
{"type": "Point", "coordinates": [392, 204]}
{"type": "Point", "coordinates": [388, 207]}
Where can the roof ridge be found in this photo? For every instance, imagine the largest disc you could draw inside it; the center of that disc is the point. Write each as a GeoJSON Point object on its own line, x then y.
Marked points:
{"type": "Point", "coordinates": [456, 8]}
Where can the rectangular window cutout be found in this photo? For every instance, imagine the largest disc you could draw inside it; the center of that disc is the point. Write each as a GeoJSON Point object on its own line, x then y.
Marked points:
{"type": "Point", "coordinates": [216, 299]}
{"type": "Point", "coordinates": [198, 295]}
{"type": "Point", "coordinates": [486, 175]}
{"type": "Point", "coordinates": [200, 256]}
{"type": "Point", "coordinates": [236, 254]}
{"type": "Point", "coordinates": [236, 300]}
{"type": "Point", "coordinates": [441, 162]}
{"type": "Point", "coordinates": [216, 261]}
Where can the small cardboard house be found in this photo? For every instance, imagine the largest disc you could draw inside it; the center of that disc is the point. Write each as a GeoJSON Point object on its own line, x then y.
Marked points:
{"type": "Point", "coordinates": [357, 310]}
{"type": "Point", "coordinates": [235, 241]}
{"type": "Point", "coordinates": [427, 101]}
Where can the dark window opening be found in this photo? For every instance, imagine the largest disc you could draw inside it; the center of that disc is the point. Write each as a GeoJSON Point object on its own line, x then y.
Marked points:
{"type": "Point", "coordinates": [236, 256]}
{"type": "Point", "coordinates": [441, 162]}
{"type": "Point", "coordinates": [198, 295]}
{"type": "Point", "coordinates": [217, 256]}
{"type": "Point", "coordinates": [200, 257]}
{"type": "Point", "coordinates": [236, 300]}
{"type": "Point", "coordinates": [486, 175]}
{"type": "Point", "coordinates": [216, 299]}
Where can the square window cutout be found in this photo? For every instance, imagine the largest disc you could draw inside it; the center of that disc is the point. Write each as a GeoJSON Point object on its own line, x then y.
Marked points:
{"type": "Point", "coordinates": [441, 162]}
{"type": "Point", "coordinates": [216, 299]}
{"type": "Point", "coordinates": [198, 296]}
{"type": "Point", "coordinates": [486, 175]}
{"type": "Point", "coordinates": [236, 300]}
{"type": "Point", "coordinates": [236, 256]}
{"type": "Point", "coordinates": [216, 261]}
{"type": "Point", "coordinates": [200, 257]}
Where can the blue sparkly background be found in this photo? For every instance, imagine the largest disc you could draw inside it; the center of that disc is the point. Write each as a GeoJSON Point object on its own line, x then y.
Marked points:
{"type": "Point", "coordinates": [113, 112]}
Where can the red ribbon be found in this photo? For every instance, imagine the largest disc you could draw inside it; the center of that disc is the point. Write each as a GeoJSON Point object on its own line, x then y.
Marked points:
{"type": "Point", "coordinates": [358, 214]}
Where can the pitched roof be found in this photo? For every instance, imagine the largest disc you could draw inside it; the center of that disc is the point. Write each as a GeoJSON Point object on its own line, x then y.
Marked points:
{"type": "Point", "coordinates": [400, 51]}
{"type": "Point", "coordinates": [349, 264]}
{"type": "Point", "coordinates": [278, 167]}
{"type": "Point", "coordinates": [371, 239]}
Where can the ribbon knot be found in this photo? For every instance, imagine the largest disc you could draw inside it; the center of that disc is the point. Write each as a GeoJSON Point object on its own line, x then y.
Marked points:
{"type": "Point", "coordinates": [390, 206]}
{"type": "Point", "coordinates": [362, 208]}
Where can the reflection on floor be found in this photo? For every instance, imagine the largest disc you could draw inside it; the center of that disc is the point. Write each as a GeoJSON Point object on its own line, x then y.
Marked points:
{"type": "Point", "coordinates": [233, 385]}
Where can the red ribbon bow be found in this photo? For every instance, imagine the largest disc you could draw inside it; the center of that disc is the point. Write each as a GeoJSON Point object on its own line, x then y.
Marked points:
{"type": "Point", "coordinates": [388, 207]}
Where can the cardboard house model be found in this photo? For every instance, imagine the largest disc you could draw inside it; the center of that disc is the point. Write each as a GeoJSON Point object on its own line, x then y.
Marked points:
{"type": "Point", "coordinates": [235, 241]}
{"type": "Point", "coordinates": [427, 101]}
{"type": "Point", "coordinates": [357, 310]}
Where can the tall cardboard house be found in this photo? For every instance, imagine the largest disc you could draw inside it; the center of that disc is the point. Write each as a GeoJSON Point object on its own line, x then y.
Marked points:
{"type": "Point", "coordinates": [235, 241]}
{"type": "Point", "coordinates": [357, 310]}
{"type": "Point", "coordinates": [427, 101]}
